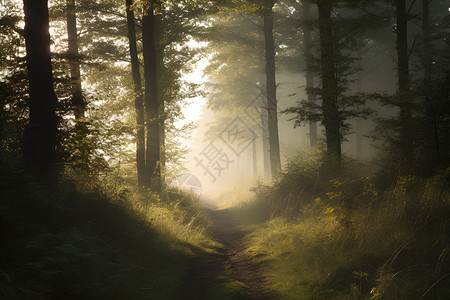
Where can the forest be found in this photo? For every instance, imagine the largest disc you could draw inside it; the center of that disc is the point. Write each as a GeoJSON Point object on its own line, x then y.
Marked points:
{"type": "Point", "coordinates": [225, 149]}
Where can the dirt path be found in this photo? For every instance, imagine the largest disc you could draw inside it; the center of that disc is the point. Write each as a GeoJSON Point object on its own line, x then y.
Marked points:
{"type": "Point", "coordinates": [231, 259]}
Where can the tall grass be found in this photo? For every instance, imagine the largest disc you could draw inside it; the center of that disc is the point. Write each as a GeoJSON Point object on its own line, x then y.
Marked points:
{"type": "Point", "coordinates": [102, 240]}
{"type": "Point", "coordinates": [357, 236]}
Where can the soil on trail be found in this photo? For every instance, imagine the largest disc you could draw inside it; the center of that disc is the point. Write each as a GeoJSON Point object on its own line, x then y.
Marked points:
{"type": "Point", "coordinates": [230, 259]}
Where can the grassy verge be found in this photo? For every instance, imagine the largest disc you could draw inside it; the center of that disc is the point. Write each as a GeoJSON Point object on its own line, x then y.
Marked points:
{"type": "Point", "coordinates": [107, 242]}
{"type": "Point", "coordinates": [356, 236]}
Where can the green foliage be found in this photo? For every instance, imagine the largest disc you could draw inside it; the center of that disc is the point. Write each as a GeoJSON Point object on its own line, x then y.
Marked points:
{"type": "Point", "coordinates": [13, 82]}
{"type": "Point", "coordinates": [98, 236]}
{"type": "Point", "coordinates": [104, 140]}
{"type": "Point", "coordinates": [236, 65]}
{"type": "Point", "coordinates": [294, 188]}
{"type": "Point", "coordinates": [352, 35]}
{"type": "Point", "coordinates": [353, 237]}
{"type": "Point", "coordinates": [427, 103]}
{"type": "Point", "coordinates": [84, 152]}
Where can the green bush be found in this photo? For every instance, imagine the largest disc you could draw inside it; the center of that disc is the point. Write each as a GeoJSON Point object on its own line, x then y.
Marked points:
{"type": "Point", "coordinates": [351, 237]}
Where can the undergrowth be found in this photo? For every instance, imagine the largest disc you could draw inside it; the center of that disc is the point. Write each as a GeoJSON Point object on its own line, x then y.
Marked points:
{"type": "Point", "coordinates": [98, 240]}
{"type": "Point", "coordinates": [362, 235]}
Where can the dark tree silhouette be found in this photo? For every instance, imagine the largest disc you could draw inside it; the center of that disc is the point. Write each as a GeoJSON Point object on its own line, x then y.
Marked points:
{"type": "Point", "coordinates": [153, 150]}
{"type": "Point", "coordinates": [271, 87]}
{"type": "Point", "coordinates": [40, 136]}
{"type": "Point", "coordinates": [406, 144]}
{"type": "Point", "coordinates": [138, 94]}
{"type": "Point", "coordinates": [309, 74]}
{"type": "Point", "coordinates": [78, 103]}
{"type": "Point", "coordinates": [331, 120]}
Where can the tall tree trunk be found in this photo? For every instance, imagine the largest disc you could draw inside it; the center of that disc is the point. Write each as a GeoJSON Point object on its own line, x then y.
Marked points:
{"type": "Point", "coordinates": [162, 135]}
{"type": "Point", "coordinates": [255, 159]}
{"type": "Point", "coordinates": [265, 146]}
{"type": "Point", "coordinates": [359, 123]}
{"type": "Point", "coordinates": [426, 40]}
{"type": "Point", "coordinates": [138, 95]}
{"type": "Point", "coordinates": [264, 128]}
{"type": "Point", "coordinates": [161, 98]}
{"type": "Point", "coordinates": [331, 120]}
{"type": "Point", "coordinates": [309, 74]}
{"type": "Point", "coordinates": [153, 149]}
{"type": "Point", "coordinates": [406, 143]}
{"type": "Point", "coordinates": [271, 87]}
{"type": "Point", "coordinates": [431, 112]}
{"type": "Point", "coordinates": [40, 136]}
{"type": "Point", "coordinates": [78, 103]}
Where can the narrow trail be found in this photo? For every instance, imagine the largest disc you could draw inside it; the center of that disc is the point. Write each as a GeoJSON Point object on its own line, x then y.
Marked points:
{"type": "Point", "coordinates": [230, 259]}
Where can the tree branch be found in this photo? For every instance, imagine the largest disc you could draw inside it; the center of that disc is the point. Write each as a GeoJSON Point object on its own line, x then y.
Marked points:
{"type": "Point", "coordinates": [412, 47]}
{"type": "Point", "coordinates": [410, 7]}
{"type": "Point", "coordinates": [10, 22]}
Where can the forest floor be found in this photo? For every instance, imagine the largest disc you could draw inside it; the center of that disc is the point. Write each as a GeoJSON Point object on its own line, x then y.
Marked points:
{"type": "Point", "coordinates": [228, 273]}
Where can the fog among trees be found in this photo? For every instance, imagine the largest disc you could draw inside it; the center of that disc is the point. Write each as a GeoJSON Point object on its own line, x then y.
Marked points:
{"type": "Point", "coordinates": [234, 149]}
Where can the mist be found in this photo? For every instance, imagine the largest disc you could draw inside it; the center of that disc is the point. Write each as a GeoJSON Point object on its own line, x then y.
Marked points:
{"type": "Point", "coordinates": [278, 149]}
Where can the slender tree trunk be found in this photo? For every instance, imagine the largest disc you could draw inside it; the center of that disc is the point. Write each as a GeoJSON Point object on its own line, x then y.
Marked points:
{"type": "Point", "coordinates": [78, 103]}
{"type": "Point", "coordinates": [40, 136]}
{"type": "Point", "coordinates": [162, 135]}
{"type": "Point", "coordinates": [309, 74]}
{"type": "Point", "coordinates": [275, 161]}
{"type": "Point", "coordinates": [255, 159]}
{"type": "Point", "coordinates": [265, 146]}
{"type": "Point", "coordinates": [238, 165]}
{"type": "Point", "coordinates": [264, 128]}
{"type": "Point", "coordinates": [406, 143]}
{"type": "Point", "coordinates": [434, 132]}
{"type": "Point", "coordinates": [359, 122]}
{"type": "Point", "coordinates": [426, 40]}
{"type": "Point", "coordinates": [161, 98]}
{"type": "Point", "coordinates": [331, 120]}
{"type": "Point", "coordinates": [248, 163]}
{"type": "Point", "coordinates": [152, 156]}
{"type": "Point", "coordinates": [138, 95]}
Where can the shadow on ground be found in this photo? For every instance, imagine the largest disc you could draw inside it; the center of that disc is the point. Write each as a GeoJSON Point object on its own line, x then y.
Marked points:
{"type": "Point", "coordinates": [228, 273]}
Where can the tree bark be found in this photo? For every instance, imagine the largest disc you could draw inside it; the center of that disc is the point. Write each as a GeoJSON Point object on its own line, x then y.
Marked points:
{"type": "Point", "coordinates": [426, 40]}
{"type": "Point", "coordinates": [153, 149]}
{"type": "Point", "coordinates": [40, 136]}
{"type": "Point", "coordinates": [138, 95]}
{"type": "Point", "coordinates": [78, 103]}
{"type": "Point", "coordinates": [406, 143]}
{"type": "Point", "coordinates": [264, 128]}
{"type": "Point", "coordinates": [309, 74]}
{"type": "Point", "coordinates": [255, 160]}
{"type": "Point", "coordinates": [359, 123]}
{"type": "Point", "coordinates": [431, 112]}
{"type": "Point", "coordinates": [162, 136]}
{"type": "Point", "coordinates": [271, 87]}
{"type": "Point", "coordinates": [331, 120]}
{"type": "Point", "coordinates": [265, 146]}
{"type": "Point", "coordinates": [159, 27]}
